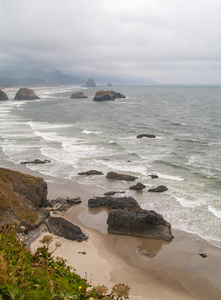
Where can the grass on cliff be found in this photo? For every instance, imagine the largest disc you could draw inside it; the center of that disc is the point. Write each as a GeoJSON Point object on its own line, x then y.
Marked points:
{"type": "Point", "coordinates": [34, 276]}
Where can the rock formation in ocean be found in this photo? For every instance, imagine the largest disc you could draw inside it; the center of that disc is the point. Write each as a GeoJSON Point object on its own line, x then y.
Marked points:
{"type": "Point", "coordinates": [149, 136]}
{"type": "Point", "coordinates": [36, 161]}
{"type": "Point", "coordinates": [3, 96]}
{"type": "Point", "coordinates": [26, 94]}
{"type": "Point", "coordinates": [107, 95]}
{"type": "Point", "coordinates": [158, 189]}
{"type": "Point", "coordinates": [64, 228]}
{"type": "Point", "coordinates": [113, 175]}
{"type": "Point", "coordinates": [138, 187]}
{"type": "Point", "coordinates": [143, 223]}
{"type": "Point", "coordinates": [22, 197]}
{"type": "Point", "coordinates": [78, 95]}
{"type": "Point", "coordinates": [91, 172]}
{"type": "Point", "coordinates": [90, 83]}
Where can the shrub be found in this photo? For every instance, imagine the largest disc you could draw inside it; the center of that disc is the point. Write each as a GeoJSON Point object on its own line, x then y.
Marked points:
{"type": "Point", "coordinates": [25, 276]}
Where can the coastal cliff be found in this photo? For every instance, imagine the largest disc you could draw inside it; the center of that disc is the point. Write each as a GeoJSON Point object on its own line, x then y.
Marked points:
{"type": "Point", "coordinates": [22, 197]}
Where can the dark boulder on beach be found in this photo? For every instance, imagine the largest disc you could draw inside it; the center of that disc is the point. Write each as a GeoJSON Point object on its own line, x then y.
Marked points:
{"type": "Point", "coordinates": [143, 223]}
{"type": "Point", "coordinates": [90, 83]}
{"type": "Point", "coordinates": [158, 189]}
{"type": "Point", "coordinates": [107, 95]}
{"type": "Point", "coordinates": [78, 95]}
{"type": "Point", "coordinates": [91, 172]}
{"type": "Point", "coordinates": [128, 203]}
{"type": "Point", "coordinates": [150, 136]}
{"type": "Point", "coordinates": [64, 228]}
{"type": "Point", "coordinates": [113, 175]}
{"type": "Point", "coordinates": [138, 187]}
{"type": "Point", "coordinates": [3, 96]}
{"type": "Point", "coordinates": [26, 94]}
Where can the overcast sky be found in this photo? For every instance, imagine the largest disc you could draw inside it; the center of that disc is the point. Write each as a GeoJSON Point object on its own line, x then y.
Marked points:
{"type": "Point", "coordinates": [168, 41]}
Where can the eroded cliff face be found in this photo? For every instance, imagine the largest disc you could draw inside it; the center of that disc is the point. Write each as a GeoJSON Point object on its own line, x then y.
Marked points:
{"type": "Point", "coordinates": [23, 198]}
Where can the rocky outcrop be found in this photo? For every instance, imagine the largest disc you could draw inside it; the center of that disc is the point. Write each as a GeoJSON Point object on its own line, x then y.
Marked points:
{"type": "Point", "coordinates": [128, 203]}
{"type": "Point", "coordinates": [158, 189]}
{"type": "Point", "coordinates": [62, 204]}
{"type": "Point", "coordinates": [91, 172]}
{"type": "Point", "coordinates": [3, 96]}
{"type": "Point", "coordinates": [138, 187]}
{"type": "Point", "coordinates": [126, 217]}
{"type": "Point", "coordinates": [113, 175]}
{"type": "Point", "coordinates": [78, 95]}
{"type": "Point", "coordinates": [107, 95]}
{"type": "Point", "coordinates": [64, 228]}
{"type": "Point", "coordinates": [36, 161]}
{"type": "Point", "coordinates": [143, 223]}
{"type": "Point", "coordinates": [22, 197]}
{"type": "Point", "coordinates": [150, 136]}
{"type": "Point", "coordinates": [90, 83]}
{"type": "Point", "coordinates": [26, 94]}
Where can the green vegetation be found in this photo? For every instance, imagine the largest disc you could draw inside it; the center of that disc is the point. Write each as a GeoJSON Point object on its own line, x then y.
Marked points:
{"type": "Point", "coordinates": [25, 275]}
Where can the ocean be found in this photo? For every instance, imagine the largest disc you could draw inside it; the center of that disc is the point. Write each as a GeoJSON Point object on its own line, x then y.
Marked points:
{"type": "Point", "coordinates": [77, 135]}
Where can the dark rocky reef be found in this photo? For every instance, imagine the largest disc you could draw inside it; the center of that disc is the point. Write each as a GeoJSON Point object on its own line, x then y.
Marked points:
{"type": "Point", "coordinates": [36, 161]}
{"type": "Point", "coordinates": [91, 172]}
{"type": "Point", "coordinates": [113, 175]}
{"type": "Point", "coordinates": [158, 189]}
{"type": "Point", "coordinates": [78, 95]}
{"type": "Point", "coordinates": [107, 95]}
{"type": "Point", "coordinates": [3, 96]}
{"type": "Point", "coordinates": [143, 223]}
{"type": "Point", "coordinates": [64, 228]}
{"type": "Point", "coordinates": [26, 94]}
{"type": "Point", "coordinates": [90, 83]}
{"type": "Point", "coordinates": [149, 136]}
{"type": "Point", "coordinates": [22, 197]}
{"type": "Point", "coordinates": [128, 203]}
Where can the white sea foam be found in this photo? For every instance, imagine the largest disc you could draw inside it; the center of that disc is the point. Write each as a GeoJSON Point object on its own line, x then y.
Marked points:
{"type": "Point", "coordinates": [46, 125]}
{"type": "Point", "coordinates": [91, 132]}
{"type": "Point", "coordinates": [170, 177]}
{"type": "Point", "coordinates": [216, 212]}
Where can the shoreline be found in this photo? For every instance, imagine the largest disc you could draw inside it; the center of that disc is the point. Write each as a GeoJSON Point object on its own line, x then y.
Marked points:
{"type": "Point", "coordinates": [175, 270]}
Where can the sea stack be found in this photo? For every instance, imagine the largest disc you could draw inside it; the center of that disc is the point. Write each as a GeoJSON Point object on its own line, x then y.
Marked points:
{"type": "Point", "coordinates": [3, 96]}
{"type": "Point", "coordinates": [25, 94]}
{"type": "Point", "coordinates": [90, 83]}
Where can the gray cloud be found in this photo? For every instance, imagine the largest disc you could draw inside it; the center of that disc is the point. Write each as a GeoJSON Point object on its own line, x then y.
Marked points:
{"type": "Point", "coordinates": [164, 40]}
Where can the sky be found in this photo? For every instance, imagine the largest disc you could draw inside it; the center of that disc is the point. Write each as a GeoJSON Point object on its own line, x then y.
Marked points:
{"type": "Point", "coordinates": [167, 41]}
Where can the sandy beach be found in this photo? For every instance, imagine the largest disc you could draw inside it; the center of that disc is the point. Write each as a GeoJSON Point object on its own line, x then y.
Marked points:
{"type": "Point", "coordinates": [173, 270]}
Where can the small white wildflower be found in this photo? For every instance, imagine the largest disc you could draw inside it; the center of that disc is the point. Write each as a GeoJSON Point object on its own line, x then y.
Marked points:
{"type": "Point", "coordinates": [22, 228]}
{"type": "Point", "coordinates": [96, 285]}
{"type": "Point", "coordinates": [58, 244]}
{"type": "Point", "coordinates": [60, 258]}
{"type": "Point", "coordinates": [89, 290]}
